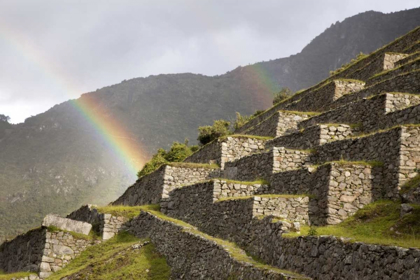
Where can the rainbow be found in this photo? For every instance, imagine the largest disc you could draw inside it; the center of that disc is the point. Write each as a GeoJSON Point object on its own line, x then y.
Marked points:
{"type": "Point", "coordinates": [118, 139]}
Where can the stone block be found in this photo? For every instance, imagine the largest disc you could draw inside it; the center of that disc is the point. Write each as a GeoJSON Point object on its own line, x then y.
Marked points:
{"type": "Point", "coordinates": [66, 224]}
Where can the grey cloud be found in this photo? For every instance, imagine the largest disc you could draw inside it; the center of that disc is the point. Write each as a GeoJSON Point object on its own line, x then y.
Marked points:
{"type": "Point", "coordinates": [91, 44]}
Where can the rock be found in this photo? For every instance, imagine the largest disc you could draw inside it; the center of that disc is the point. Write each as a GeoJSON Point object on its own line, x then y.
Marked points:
{"type": "Point", "coordinates": [406, 209]}
{"type": "Point", "coordinates": [67, 224]}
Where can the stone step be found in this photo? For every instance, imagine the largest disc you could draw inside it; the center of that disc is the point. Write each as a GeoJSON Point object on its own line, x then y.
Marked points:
{"type": "Point", "coordinates": [372, 113]}
{"type": "Point", "coordinates": [383, 62]}
{"type": "Point", "coordinates": [151, 188]}
{"type": "Point", "coordinates": [413, 48]}
{"type": "Point", "coordinates": [204, 206]}
{"type": "Point", "coordinates": [319, 100]}
{"type": "Point", "coordinates": [412, 65]}
{"type": "Point", "coordinates": [280, 123]}
{"type": "Point", "coordinates": [228, 149]}
{"type": "Point", "coordinates": [312, 136]}
{"type": "Point", "coordinates": [383, 146]}
{"type": "Point", "coordinates": [43, 250]}
{"type": "Point", "coordinates": [262, 165]}
{"type": "Point", "coordinates": [106, 224]}
{"type": "Point", "coordinates": [336, 189]}
{"type": "Point", "coordinates": [194, 254]}
{"type": "Point", "coordinates": [405, 83]}
{"type": "Point", "coordinates": [409, 58]}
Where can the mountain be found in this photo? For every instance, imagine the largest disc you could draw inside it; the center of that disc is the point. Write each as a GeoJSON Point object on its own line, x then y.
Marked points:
{"type": "Point", "coordinates": [57, 160]}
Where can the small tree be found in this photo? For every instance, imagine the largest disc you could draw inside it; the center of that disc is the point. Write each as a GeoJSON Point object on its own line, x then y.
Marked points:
{"type": "Point", "coordinates": [4, 118]}
{"type": "Point", "coordinates": [206, 134]}
{"type": "Point", "coordinates": [283, 94]}
{"type": "Point", "coordinates": [157, 161]}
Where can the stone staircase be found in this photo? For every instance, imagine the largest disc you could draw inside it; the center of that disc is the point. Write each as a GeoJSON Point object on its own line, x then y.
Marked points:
{"type": "Point", "coordinates": [313, 159]}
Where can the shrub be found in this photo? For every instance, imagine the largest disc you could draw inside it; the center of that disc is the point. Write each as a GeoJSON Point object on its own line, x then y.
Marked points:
{"type": "Point", "coordinates": [240, 120]}
{"type": "Point", "coordinates": [283, 94]}
{"type": "Point", "coordinates": [177, 153]}
{"type": "Point", "coordinates": [206, 134]}
{"type": "Point", "coordinates": [359, 57]}
{"type": "Point", "coordinates": [312, 231]}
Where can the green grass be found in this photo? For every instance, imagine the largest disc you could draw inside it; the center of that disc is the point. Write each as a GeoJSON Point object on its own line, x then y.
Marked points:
{"type": "Point", "coordinates": [128, 212]}
{"type": "Point", "coordinates": [377, 223]}
{"type": "Point", "coordinates": [373, 163]}
{"type": "Point", "coordinates": [263, 196]}
{"type": "Point", "coordinates": [108, 261]}
{"type": "Point", "coordinates": [413, 183]}
{"type": "Point", "coordinates": [393, 69]}
{"type": "Point", "coordinates": [234, 250]}
{"type": "Point", "coordinates": [8, 276]}
{"type": "Point", "coordinates": [193, 165]}
{"type": "Point", "coordinates": [91, 236]}
{"type": "Point", "coordinates": [248, 136]}
{"type": "Point", "coordinates": [300, 113]}
{"type": "Point", "coordinates": [249, 183]}
{"type": "Point", "coordinates": [350, 80]}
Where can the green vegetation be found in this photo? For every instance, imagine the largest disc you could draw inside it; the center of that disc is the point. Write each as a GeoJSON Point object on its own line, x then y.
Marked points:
{"type": "Point", "coordinates": [358, 58]}
{"type": "Point", "coordinates": [92, 234]}
{"type": "Point", "coordinates": [194, 165]}
{"type": "Point", "coordinates": [206, 134]}
{"type": "Point", "coordinates": [376, 223]}
{"type": "Point", "coordinates": [283, 94]}
{"type": "Point", "coordinates": [115, 259]}
{"type": "Point", "coordinates": [394, 69]}
{"type": "Point", "coordinates": [373, 163]}
{"type": "Point", "coordinates": [240, 120]}
{"type": "Point", "coordinates": [413, 183]}
{"type": "Point", "coordinates": [234, 250]}
{"type": "Point", "coordinates": [128, 212]}
{"type": "Point", "coordinates": [248, 136]}
{"type": "Point", "coordinates": [8, 276]}
{"type": "Point", "coordinates": [259, 181]}
{"type": "Point", "coordinates": [177, 153]}
{"type": "Point", "coordinates": [262, 196]}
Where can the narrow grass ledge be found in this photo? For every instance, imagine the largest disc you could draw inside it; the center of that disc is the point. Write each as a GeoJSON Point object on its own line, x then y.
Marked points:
{"type": "Point", "coordinates": [248, 136]}
{"type": "Point", "coordinates": [92, 234]}
{"type": "Point", "coordinates": [263, 196]}
{"type": "Point", "coordinates": [412, 184]}
{"type": "Point", "coordinates": [193, 165]}
{"type": "Point", "coordinates": [234, 250]}
{"type": "Point", "coordinates": [377, 223]}
{"type": "Point", "coordinates": [128, 212]}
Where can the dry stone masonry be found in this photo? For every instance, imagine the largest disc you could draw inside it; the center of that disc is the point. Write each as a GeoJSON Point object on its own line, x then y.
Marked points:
{"type": "Point", "coordinates": [288, 167]}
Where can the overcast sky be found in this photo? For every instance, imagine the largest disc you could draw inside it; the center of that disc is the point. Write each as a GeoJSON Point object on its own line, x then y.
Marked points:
{"type": "Point", "coordinates": [51, 51]}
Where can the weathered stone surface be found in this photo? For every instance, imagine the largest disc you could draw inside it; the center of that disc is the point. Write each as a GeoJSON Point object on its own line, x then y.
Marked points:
{"type": "Point", "coordinates": [66, 224]}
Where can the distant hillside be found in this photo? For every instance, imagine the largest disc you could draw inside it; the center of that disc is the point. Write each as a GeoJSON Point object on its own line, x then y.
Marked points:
{"type": "Point", "coordinates": [54, 163]}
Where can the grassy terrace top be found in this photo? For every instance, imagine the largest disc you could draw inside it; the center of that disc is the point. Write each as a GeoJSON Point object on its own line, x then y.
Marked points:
{"type": "Point", "coordinates": [115, 259]}
{"type": "Point", "coordinates": [193, 165]}
{"type": "Point", "coordinates": [411, 184]}
{"type": "Point", "coordinates": [234, 251]}
{"type": "Point", "coordinates": [128, 212]}
{"type": "Point", "coordinates": [377, 223]}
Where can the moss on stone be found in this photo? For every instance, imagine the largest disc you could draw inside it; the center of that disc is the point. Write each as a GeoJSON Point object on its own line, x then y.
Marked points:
{"type": "Point", "coordinates": [8, 276]}
{"type": "Point", "coordinates": [91, 236]}
{"type": "Point", "coordinates": [193, 165]}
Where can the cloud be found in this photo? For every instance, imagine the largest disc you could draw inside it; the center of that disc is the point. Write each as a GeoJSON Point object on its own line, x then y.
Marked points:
{"type": "Point", "coordinates": [56, 50]}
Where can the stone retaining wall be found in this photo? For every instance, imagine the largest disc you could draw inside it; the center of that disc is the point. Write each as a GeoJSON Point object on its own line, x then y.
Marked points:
{"type": "Point", "coordinates": [228, 149]}
{"type": "Point", "coordinates": [312, 137]}
{"type": "Point", "coordinates": [409, 164]}
{"type": "Point", "coordinates": [280, 123]}
{"type": "Point", "coordinates": [371, 113]}
{"type": "Point", "coordinates": [405, 83]}
{"type": "Point", "coordinates": [151, 188]}
{"type": "Point", "coordinates": [24, 253]}
{"type": "Point", "coordinates": [260, 166]}
{"type": "Point", "coordinates": [41, 250]}
{"type": "Point", "coordinates": [408, 67]}
{"type": "Point", "coordinates": [384, 62]}
{"type": "Point", "coordinates": [193, 256]}
{"type": "Point", "coordinates": [105, 224]}
{"type": "Point", "coordinates": [383, 147]}
{"type": "Point", "coordinates": [59, 249]}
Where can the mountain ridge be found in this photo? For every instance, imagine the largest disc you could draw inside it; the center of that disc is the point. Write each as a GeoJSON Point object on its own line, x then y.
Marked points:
{"type": "Point", "coordinates": [54, 163]}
